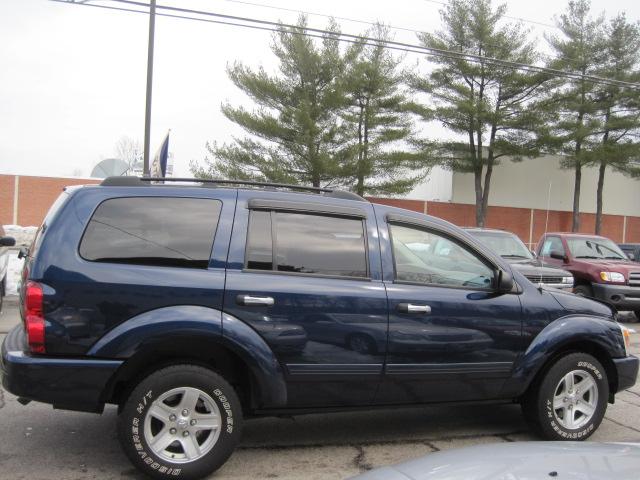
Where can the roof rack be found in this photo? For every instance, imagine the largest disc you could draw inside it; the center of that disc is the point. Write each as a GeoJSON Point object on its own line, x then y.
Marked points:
{"type": "Point", "coordinates": [126, 181]}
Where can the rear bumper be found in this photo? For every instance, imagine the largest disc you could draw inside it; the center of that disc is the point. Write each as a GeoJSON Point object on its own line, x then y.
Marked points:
{"type": "Point", "coordinates": [72, 384]}
{"type": "Point", "coordinates": [622, 297]}
{"type": "Point", "coordinates": [627, 369]}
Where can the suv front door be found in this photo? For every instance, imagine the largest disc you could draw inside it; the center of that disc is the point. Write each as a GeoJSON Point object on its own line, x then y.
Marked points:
{"type": "Point", "coordinates": [306, 276]}
{"type": "Point", "coordinates": [451, 336]}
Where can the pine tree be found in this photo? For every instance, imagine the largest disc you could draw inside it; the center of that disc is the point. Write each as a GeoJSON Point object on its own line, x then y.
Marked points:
{"type": "Point", "coordinates": [294, 132]}
{"type": "Point", "coordinates": [487, 104]}
{"type": "Point", "coordinates": [378, 118]}
{"type": "Point", "coordinates": [619, 106]}
{"type": "Point", "coordinates": [574, 103]}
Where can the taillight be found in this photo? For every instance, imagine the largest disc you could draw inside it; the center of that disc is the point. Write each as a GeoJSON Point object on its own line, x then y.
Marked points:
{"type": "Point", "coordinates": [34, 317]}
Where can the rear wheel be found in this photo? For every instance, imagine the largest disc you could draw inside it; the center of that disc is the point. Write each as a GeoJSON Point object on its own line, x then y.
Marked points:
{"type": "Point", "coordinates": [180, 422]}
{"type": "Point", "coordinates": [570, 400]}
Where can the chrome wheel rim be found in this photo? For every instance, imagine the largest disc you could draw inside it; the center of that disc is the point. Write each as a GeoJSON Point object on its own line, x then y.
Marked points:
{"type": "Point", "coordinates": [575, 399]}
{"type": "Point", "coordinates": [182, 425]}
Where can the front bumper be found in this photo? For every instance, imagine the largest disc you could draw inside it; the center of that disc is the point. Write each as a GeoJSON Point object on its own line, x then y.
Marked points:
{"type": "Point", "coordinates": [67, 383]}
{"type": "Point", "coordinates": [627, 369]}
{"type": "Point", "coordinates": [622, 297]}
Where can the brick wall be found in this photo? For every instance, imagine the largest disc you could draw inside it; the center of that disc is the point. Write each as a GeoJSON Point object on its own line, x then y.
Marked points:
{"type": "Point", "coordinates": [528, 224]}
{"type": "Point", "coordinates": [35, 196]}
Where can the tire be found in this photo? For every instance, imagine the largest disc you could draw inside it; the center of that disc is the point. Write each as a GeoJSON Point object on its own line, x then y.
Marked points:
{"type": "Point", "coordinates": [571, 416]}
{"type": "Point", "coordinates": [164, 406]}
{"type": "Point", "coordinates": [361, 344]}
{"type": "Point", "coordinates": [583, 290]}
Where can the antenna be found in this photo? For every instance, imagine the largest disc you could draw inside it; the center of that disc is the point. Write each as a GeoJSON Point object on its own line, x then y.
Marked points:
{"type": "Point", "coordinates": [546, 222]}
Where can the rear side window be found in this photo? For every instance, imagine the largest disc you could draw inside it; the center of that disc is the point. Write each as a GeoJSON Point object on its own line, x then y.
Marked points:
{"type": "Point", "coordinates": [55, 207]}
{"type": "Point", "coordinates": [175, 232]}
{"type": "Point", "coordinates": [259, 243]}
{"type": "Point", "coordinates": [307, 243]}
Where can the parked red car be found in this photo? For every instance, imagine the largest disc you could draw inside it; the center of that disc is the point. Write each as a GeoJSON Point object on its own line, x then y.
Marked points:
{"type": "Point", "coordinates": [600, 269]}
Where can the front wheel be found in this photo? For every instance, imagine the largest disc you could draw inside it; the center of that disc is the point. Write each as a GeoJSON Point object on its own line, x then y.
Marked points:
{"type": "Point", "coordinates": [182, 421]}
{"type": "Point", "coordinates": [570, 401]}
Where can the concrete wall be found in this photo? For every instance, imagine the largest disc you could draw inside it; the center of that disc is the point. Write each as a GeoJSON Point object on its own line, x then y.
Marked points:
{"type": "Point", "coordinates": [526, 185]}
{"type": "Point", "coordinates": [25, 200]}
{"type": "Point", "coordinates": [437, 186]}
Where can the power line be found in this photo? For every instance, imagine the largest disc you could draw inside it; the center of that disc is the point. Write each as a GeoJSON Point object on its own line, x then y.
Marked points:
{"type": "Point", "coordinates": [393, 27]}
{"type": "Point", "coordinates": [521, 19]}
{"type": "Point", "coordinates": [260, 24]}
{"type": "Point", "coordinates": [316, 14]}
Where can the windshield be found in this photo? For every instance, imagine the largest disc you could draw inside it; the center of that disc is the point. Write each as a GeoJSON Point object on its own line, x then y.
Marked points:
{"type": "Point", "coordinates": [594, 247]}
{"type": "Point", "coordinates": [504, 244]}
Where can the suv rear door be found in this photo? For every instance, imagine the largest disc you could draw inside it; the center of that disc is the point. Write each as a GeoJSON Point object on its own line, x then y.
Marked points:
{"type": "Point", "coordinates": [112, 253]}
{"type": "Point", "coordinates": [305, 274]}
{"type": "Point", "coordinates": [451, 336]}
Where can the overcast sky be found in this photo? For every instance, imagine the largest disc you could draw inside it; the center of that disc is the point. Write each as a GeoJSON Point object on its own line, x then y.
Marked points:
{"type": "Point", "coordinates": [72, 78]}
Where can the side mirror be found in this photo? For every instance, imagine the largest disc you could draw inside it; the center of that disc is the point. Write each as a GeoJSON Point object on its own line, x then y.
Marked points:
{"type": "Point", "coordinates": [631, 256]}
{"type": "Point", "coordinates": [505, 282]}
{"type": "Point", "coordinates": [7, 241]}
{"type": "Point", "coordinates": [533, 252]}
{"type": "Point", "coordinates": [558, 255]}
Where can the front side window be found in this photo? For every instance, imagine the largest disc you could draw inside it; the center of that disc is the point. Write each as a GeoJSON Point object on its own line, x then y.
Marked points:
{"type": "Point", "coordinates": [160, 231]}
{"type": "Point", "coordinates": [307, 243]}
{"type": "Point", "coordinates": [423, 256]}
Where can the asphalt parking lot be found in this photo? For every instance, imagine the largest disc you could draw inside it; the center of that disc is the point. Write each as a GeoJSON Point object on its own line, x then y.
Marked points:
{"type": "Point", "coordinates": [37, 442]}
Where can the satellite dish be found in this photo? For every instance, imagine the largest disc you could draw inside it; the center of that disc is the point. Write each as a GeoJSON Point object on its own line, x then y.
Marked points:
{"type": "Point", "coordinates": [110, 167]}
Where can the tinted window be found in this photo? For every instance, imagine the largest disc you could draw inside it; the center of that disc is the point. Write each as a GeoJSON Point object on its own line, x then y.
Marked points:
{"type": "Point", "coordinates": [152, 231]}
{"type": "Point", "coordinates": [307, 243]}
{"type": "Point", "coordinates": [259, 253]}
{"type": "Point", "coordinates": [427, 257]}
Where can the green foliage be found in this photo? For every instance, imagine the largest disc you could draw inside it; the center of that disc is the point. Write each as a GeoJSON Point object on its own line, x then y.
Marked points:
{"type": "Point", "coordinates": [618, 115]}
{"type": "Point", "coordinates": [327, 118]}
{"type": "Point", "coordinates": [488, 106]}
{"type": "Point", "coordinates": [572, 105]}
{"type": "Point", "coordinates": [379, 122]}
{"type": "Point", "coordinates": [294, 133]}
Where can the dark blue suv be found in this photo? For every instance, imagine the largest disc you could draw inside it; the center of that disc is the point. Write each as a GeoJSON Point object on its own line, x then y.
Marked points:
{"type": "Point", "coordinates": [194, 306]}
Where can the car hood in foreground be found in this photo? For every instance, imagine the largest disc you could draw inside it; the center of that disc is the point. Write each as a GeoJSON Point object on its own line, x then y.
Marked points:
{"type": "Point", "coordinates": [521, 461]}
{"type": "Point", "coordinates": [578, 304]}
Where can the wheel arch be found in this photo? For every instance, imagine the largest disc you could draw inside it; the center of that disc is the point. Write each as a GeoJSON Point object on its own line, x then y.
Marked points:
{"type": "Point", "coordinates": [197, 335]}
{"type": "Point", "coordinates": [581, 346]}
{"type": "Point", "coordinates": [186, 349]}
{"type": "Point", "coordinates": [574, 333]}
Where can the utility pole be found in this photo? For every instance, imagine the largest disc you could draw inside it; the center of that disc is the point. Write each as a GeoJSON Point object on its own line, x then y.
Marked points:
{"type": "Point", "coordinates": [147, 113]}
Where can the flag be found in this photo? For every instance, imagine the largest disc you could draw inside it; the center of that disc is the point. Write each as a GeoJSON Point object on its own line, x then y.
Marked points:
{"type": "Point", "coordinates": [159, 164]}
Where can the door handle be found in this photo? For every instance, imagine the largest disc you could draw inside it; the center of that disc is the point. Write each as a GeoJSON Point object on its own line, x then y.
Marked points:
{"type": "Point", "coordinates": [249, 300]}
{"type": "Point", "coordinates": [413, 308]}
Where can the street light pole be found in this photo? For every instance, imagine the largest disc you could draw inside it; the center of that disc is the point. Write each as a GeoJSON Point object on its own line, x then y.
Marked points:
{"type": "Point", "coordinates": [147, 113]}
